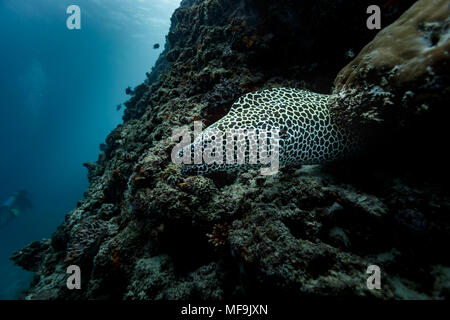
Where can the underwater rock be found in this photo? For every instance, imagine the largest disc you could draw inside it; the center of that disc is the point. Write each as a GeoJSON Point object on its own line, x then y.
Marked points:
{"type": "Point", "coordinates": [31, 256]}
{"type": "Point", "coordinates": [402, 74]}
{"type": "Point", "coordinates": [129, 91]}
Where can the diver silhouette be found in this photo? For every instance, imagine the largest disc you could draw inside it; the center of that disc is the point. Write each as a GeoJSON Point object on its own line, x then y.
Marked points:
{"type": "Point", "coordinates": [17, 204]}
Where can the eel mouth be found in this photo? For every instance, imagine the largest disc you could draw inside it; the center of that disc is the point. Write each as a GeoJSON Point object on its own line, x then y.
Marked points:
{"type": "Point", "coordinates": [191, 170]}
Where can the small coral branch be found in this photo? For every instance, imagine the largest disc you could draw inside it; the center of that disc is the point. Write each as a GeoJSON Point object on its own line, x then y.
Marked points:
{"type": "Point", "coordinates": [219, 235]}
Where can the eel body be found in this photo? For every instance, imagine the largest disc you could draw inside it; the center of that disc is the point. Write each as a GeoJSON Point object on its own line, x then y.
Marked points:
{"type": "Point", "coordinates": [307, 134]}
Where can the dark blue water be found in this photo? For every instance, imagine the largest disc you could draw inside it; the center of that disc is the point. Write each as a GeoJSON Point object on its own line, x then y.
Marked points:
{"type": "Point", "coordinates": [58, 95]}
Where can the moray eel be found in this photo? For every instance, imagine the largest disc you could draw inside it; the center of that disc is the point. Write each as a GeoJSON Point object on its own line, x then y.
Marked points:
{"type": "Point", "coordinates": [307, 134]}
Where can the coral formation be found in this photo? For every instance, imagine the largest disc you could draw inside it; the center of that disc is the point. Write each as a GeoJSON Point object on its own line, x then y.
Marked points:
{"type": "Point", "coordinates": [402, 74]}
{"type": "Point", "coordinates": [219, 235]}
{"type": "Point", "coordinates": [140, 232]}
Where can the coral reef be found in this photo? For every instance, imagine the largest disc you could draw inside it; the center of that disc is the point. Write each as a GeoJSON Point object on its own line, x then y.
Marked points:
{"type": "Point", "coordinates": [402, 74]}
{"type": "Point", "coordinates": [143, 231]}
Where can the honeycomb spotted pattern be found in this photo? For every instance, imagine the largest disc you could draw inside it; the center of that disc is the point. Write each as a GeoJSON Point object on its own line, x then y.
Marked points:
{"type": "Point", "coordinates": [307, 134]}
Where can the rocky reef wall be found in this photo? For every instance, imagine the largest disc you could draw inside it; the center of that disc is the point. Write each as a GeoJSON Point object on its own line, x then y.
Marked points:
{"type": "Point", "coordinates": [144, 231]}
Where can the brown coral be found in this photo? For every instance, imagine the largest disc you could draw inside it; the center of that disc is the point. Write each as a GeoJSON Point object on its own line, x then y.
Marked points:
{"type": "Point", "coordinates": [406, 64]}
{"type": "Point", "coordinates": [249, 41]}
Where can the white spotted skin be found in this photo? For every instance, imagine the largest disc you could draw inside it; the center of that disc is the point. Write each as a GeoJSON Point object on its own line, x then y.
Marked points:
{"type": "Point", "coordinates": [307, 132]}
